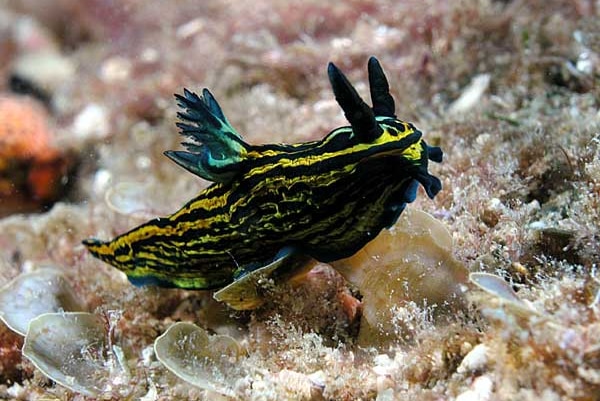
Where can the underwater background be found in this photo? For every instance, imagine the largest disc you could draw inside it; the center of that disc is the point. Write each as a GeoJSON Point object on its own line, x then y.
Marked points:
{"type": "Point", "coordinates": [508, 89]}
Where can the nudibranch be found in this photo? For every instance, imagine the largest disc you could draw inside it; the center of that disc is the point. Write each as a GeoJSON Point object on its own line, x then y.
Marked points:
{"type": "Point", "coordinates": [278, 205]}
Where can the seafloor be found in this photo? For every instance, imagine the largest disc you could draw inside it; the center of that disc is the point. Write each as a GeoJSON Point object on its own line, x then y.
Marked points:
{"type": "Point", "coordinates": [508, 89]}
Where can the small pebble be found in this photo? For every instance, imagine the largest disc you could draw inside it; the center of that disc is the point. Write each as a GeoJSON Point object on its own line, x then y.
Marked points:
{"type": "Point", "coordinates": [91, 122]}
{"type": "Point", "coordinates": [475, 360]}
{"type": "Point", "coordinates": [481, 390]}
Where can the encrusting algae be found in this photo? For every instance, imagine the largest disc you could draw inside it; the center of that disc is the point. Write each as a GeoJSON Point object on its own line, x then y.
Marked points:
{"type": "Point", "coordinates": [31, 167]}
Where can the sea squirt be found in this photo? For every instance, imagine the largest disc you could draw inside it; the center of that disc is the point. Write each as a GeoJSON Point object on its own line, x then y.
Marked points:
{"type": "Point", "coordinates": [410, 262]}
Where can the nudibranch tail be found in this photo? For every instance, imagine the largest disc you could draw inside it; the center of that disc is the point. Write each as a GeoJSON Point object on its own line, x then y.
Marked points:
{"type": "Point", "coordinates": [148, 270]}
{"type": "Point", "coordinates": [100, 249]}
{"type": "Point", "coordinates": [220, 149]}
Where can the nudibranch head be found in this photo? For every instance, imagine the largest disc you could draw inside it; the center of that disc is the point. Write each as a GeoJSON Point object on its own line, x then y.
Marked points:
{"type": "Point", "coordinates": [378, 130]}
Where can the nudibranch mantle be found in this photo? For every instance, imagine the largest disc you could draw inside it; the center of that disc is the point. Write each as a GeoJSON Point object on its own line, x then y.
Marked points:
{"type": "Point", "coordinates": [278, 202]}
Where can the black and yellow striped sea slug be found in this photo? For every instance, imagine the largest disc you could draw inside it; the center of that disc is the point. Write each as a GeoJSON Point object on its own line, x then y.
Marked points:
{"type": "Point", "coordinates": [278, 204]}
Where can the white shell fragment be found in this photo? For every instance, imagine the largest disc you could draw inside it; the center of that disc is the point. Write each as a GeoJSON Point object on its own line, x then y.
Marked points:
{"type": "Point", "coordinates": [476, 360]}
{"type": "Point", "coordinates": [92, 122]}
{"type": "Point", "coordinates": [48, 69]}
{"type": "Point", "coordinates": [481, 390]}
{"type": "Point", "coordinates": [32, 294]}
{"type": "Point", "coordinates": [471, 95]}
{"type": "Point", "coordinates": [494, 285]}
{"type": "Point", "coordinates": [206, 361]}
{"type": "Point", "coordinates": [502, 292]}
{"type": "Point", "coordinates": [72, 349]}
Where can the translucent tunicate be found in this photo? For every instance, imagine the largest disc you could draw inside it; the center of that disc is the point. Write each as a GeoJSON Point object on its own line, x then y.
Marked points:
{"type": "Point", "coordinates": [206, 361]}
{"type": "Point", "coordinates": [74, 350]}
{"type": "Point", "coordinates": [410, 262]}
{"type": "Point", "coordinates": [32, 294]}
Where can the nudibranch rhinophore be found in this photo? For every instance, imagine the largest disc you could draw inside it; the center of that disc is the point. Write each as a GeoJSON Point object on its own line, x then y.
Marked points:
{"type": "Point", "coordinates": [278, 205]}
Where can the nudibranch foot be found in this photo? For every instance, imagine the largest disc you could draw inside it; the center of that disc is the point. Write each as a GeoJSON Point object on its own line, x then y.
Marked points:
{"type": "Point", "coordinates": [245, 291]}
